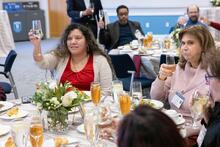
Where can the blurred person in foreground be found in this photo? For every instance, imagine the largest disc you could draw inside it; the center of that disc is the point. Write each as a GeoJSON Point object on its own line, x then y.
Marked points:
{"type": "Point", "coordinates": [177, 83]}
{"type": "Point", "coordinates": [77, 59]}
{"type": "Point", "coordinates": [148, 127]}
{"type": "Point", "coordinates": [120, 32]}
{"type": "Point", "coordinates": [193, 15]}
{"type": "Point", "coordinates": [80, 11]}
{"type": "Point", "coordinates": [212, 115]}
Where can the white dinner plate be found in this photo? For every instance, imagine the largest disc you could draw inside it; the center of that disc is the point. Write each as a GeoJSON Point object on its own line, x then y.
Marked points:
{"type": "Point", "coordinates": [153, 103]}
{"type": "Point", "coordinates": [4, 129]}
{"type": "Point", "coordinates": [6, 105]}
{"type": "Point", "coordinates": [81, 129]}
{"type": "Point", "coordinates": [51, 143]}
{"type": "Point", "coordinates": [21, 113]}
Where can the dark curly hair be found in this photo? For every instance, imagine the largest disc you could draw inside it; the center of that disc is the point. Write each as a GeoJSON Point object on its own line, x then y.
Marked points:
{"type": "Point", "coordinates": [93, 48]}
{"type": "Point", "coordinates": [148, 127]}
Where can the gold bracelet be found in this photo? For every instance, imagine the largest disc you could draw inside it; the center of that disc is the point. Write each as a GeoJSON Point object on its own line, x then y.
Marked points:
{"type": "Point", "coordinates": [158, 76]}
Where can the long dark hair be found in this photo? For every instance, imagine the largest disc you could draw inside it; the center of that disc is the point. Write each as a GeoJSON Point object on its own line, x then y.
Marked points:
{"type": "Point", "coordinates": [205, 39]}
{"type": "Point", "coordinates": [93, 48]}
{"type": "Point", "coordinates": [148, 127]}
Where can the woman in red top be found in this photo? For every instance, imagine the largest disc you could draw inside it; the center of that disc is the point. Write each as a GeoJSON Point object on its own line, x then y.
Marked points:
{"type": "Point", "coordinates": [77, 59]}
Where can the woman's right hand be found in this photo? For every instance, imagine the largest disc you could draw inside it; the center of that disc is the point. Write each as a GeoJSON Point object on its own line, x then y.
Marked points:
{"type": "Point", "coordinates": [35, 40]}
{"type": "Point", "coordinates": [166, 70]}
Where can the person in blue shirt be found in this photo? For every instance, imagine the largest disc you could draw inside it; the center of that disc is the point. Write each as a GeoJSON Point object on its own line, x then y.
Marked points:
{"type": "Point", "coordinates": [193, 14]}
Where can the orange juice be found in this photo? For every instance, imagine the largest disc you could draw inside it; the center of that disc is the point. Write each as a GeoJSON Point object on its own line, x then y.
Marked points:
{"type": "Point", "coordinates": [36, 135]}
{"type": "Point", "coordinates": [125, 103]}
{"type": "Point", "coordinates": [95, 93]}
{"type": "Point", "coordinates": [149, 40]}
{"type": "Point", "coordinates": [145, 42]}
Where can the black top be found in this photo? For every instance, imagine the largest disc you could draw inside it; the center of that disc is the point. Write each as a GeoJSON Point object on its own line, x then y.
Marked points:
{"type": "Point", "coordinates": [126, 36]}
{"type": "Point", "coordinates": [212, 137]}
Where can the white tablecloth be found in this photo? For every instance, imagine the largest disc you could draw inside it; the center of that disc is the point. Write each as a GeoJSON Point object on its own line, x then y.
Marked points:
{"type": "Point", "coordinates": [6, 37]}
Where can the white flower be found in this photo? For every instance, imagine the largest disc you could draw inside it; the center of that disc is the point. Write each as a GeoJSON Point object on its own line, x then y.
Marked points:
{"type": "Point", "coordinates": [53, 84]}
{"type": "Point", "coordinates": [39, 105]}
{"type": "Point", "coordinates": [55, 101]}
{"type": "Point", "coordinates": [68, 98]}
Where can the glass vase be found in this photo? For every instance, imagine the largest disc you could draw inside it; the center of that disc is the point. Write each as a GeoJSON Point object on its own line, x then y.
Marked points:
{"type": "Point", "coordinates": [57, 121]}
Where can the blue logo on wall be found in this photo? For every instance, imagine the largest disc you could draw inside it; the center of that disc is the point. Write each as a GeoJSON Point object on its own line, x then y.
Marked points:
{"type": "Point", "coordinates": [17, 26]}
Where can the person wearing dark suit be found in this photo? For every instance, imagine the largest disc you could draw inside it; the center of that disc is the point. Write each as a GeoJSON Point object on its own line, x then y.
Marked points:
{"type": "Point", "coordinates": [80, 12]}
{"type": "Point", "coordinates": [120, 32]}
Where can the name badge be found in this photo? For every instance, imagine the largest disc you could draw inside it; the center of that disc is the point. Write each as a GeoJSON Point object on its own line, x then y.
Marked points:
{"type": "Point", "coordinates": [201, 135]}
{"type": "Point", "coordinates": [177, 100]}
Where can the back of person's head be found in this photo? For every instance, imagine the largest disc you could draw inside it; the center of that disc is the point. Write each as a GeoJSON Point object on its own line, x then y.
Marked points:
{"type": "Point", "coordinates": [120, 7]}
{"type": "Point", "coordinates": [148, 127]}
{"type": "Point", "coordinates": [205, 39]}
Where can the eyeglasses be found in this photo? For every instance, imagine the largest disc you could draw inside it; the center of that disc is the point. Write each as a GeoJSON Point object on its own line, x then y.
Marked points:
{"type": "Point", "coordinates": [207, 78]}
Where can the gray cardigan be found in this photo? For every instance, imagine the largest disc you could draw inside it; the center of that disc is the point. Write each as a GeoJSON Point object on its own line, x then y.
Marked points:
{"type": "Point", "coordinates": [102, 70]}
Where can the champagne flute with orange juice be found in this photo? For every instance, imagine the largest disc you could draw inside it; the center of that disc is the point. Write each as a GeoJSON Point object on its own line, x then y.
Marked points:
{"type": "Point", "coordinates": [36, 131]}
{"type": "Point", "coordinates": [95, 92]}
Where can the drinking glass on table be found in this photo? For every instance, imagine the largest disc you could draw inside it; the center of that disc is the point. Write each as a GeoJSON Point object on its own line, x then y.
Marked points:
{"type": "Point", "coordinates": [37, 29]}
{"type": "Point", "coordinates": [136, 92]}
{"type": "Point", "coordinates": [124, 102]}
{"type": "Point", "coordinates": [91, 127]}
{"type": "Point", "coordinates": [95, 89]}
{"type": "Point", "coordinates": [117, 87]}
{"type": "Point", "coordinates": [20, 131]}
{"type": "Point", "coordinates": [36, 130]}
{"type": "Point", "coordinates": [199, 100]}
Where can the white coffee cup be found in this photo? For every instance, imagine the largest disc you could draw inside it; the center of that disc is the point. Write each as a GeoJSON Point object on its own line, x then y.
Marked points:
{"type": "Point", "coordinates": [173, 115]}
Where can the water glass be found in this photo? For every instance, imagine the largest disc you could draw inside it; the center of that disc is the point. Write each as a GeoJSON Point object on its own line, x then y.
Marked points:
{"type": "Point", "coordinates": [95, 89]}
{"type": "Point", "coordinates": [170, 59]}
{"type": "Point", "coordinates": [37, 29]}
{"type": "Point", "coordinates": [136, 92]}
{"type": "Point", "coordinates": [117, 87]}
{"type": "Point", "coordinates": [20, 131]}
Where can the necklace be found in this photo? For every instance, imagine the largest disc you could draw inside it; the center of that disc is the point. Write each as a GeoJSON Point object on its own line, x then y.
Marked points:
{"type": "Point", "coordinates": [76, 67]}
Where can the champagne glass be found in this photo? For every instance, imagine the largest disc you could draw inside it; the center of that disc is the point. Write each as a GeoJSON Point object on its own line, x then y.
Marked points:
{"type": "Point", "coordinates": [199, 100]}
{"type": "Point", "coordinates": [92, 7]}
{"type": "Point", "coordinates": [36, 131]}
{"type": "Point", "coordinates": [101, 15]}
{"type": "Point", "coordinates": [37, 29]}
{"type": "Point", "coordinates": [95, 92]}
{"type": "Point", "coordinates": [136, 92]}
{"type": "Point", "coordinates": [91, 128]}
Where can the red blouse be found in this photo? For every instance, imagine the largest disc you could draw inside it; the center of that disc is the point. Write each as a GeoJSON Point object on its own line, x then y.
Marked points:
{"type": "Point", "coordinates": [81, 79]}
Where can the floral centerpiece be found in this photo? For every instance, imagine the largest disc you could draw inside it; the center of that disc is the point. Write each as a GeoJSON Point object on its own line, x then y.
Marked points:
{"type": "Point", "coordinates": [174, 35]}
{"type": "Point", "coordinates": [57, 100]}
{"type": "Point", "coordinates": [215, 2]}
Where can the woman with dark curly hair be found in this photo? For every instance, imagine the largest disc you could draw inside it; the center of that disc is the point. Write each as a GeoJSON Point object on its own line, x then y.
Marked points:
{"type": "Point", "coordinates": [77, 59]}
{"type": "Point", "coordinates": [148, 127]}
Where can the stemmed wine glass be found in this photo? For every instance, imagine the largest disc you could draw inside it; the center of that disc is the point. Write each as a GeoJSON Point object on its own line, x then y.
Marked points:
{"type": "Point", "coordinates": [92, 7]}
{"type": "Point", "coordinates": [199, 100]}
{"type": "Point", "coordinates": [91, 128]}
{"type": "Point", "coordinates": [37, 29]}
{"type": "Point", "coordinates": [36, 130]}
{"type": "Point", "coordinates": [136, 92]}
{"type": "Point", "coordinates": [101, 15]}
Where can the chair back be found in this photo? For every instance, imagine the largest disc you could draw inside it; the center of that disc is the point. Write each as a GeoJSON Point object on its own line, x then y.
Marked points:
{"type": "Point", "coordinates": [122, 63]}
{"type": "Point", "coordinates": [9, 61]}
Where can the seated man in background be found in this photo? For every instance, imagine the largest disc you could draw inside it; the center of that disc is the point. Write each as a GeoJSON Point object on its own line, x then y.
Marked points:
{"type": "Point", "coordinates": [121, 32]}
{"type": "Point", "coordinates": [193, 14]}
{"type": "Point", "coordinates": [181, 22]}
